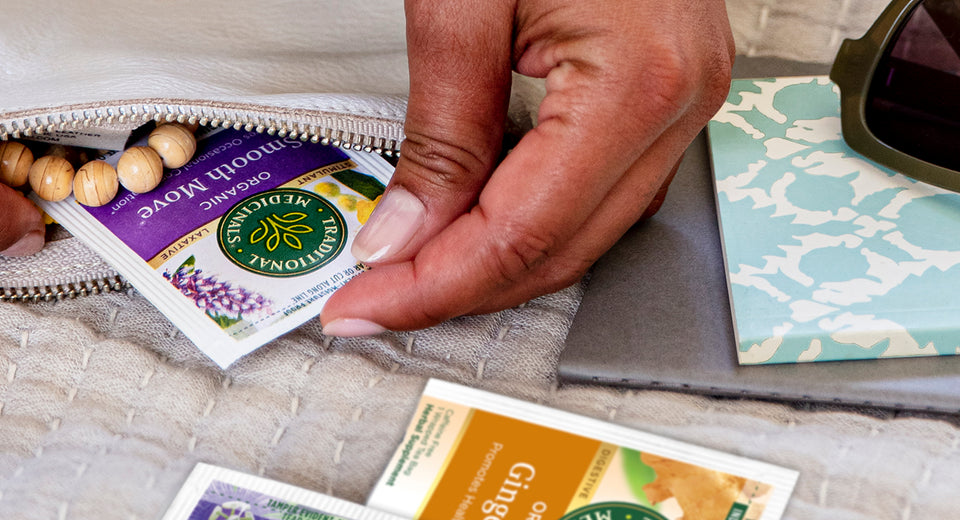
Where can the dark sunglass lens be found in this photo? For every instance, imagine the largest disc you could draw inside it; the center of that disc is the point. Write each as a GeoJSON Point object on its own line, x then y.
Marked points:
{"type": "Point", "coordinates": [914, 100]}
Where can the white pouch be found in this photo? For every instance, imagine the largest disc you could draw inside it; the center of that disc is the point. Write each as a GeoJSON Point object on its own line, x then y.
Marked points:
{"type": "Point", "coordinates": [472, 454]}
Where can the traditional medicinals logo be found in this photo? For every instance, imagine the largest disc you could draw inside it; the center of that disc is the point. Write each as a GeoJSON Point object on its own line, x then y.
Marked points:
{"type": "Point", "coordinates": [282, 232]}
{"type": "Point", "coordinates": [613, 511]}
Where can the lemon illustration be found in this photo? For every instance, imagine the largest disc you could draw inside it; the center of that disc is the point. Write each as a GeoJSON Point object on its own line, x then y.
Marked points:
{"type": "Point", "coordinates": [327, 189]}
{"type": "Point", "coordinates": [365, 208]}
{"type": "Point", "coordinates": [347, 202]}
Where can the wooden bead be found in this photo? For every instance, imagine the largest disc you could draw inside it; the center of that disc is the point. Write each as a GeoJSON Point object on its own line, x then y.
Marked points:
{"type": "Point", "coordinates": [95, 184]}
{"type": "Point", "coordinates": [51, 178]}
{"type": "Point", "coordinates": [174, 143]}
{"type": "Point", "coordinates": [15, 162]}
{"type": "Point", "coordinates": [140, 169]}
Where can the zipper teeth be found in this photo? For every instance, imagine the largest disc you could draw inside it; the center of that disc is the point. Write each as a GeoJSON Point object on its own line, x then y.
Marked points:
{"type": "Point", "coordinates": [205, 116]}
{"type": "Point", "coordinates": [64, 291]}
{"type": "Point", "coordinates": [213, 117]}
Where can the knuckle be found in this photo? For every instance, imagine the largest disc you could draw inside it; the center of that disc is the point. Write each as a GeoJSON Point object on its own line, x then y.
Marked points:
{"type": "Point", "coordinates": [674, 81]}
{"type": "Point", "coordinates": [520, 251]}
{"type": "Point", "coordinates": [668, 83]}
{"type": "Point", "coordinates": [718, 78]}
{"type": "Point", "coordinates": [441, 163]}
{"type": "Point", "coordinates": [567, 273]}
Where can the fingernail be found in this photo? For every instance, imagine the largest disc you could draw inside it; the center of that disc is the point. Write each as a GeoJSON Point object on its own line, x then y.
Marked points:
{"type": "Point", "coordinates": [28, 244]}
{"type": "Point", "coordinates": [391, 226]}
{"type": "Point", "coordinates": [351, 327]}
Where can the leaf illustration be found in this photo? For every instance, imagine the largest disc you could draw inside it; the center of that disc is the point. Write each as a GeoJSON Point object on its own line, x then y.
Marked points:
{"type": "Point", "coordinates": [224, 322]}
{"type": "Point", "coordinates": [273, 241]}
{"type": "Point", "coordinates": [361, 183]}
{"type": "Point", "coordinates": [187, 266]}
{"type": "Point", "coordinates": [293, 216]}
{"type": "Point", "coordinates": [292, 241]}
{"type": "Point", "coordinates": [299, 229]}
{"type": "Point", "coordinates": [275, 227]}
{"type": "Point", "coordinates": [260, 233]}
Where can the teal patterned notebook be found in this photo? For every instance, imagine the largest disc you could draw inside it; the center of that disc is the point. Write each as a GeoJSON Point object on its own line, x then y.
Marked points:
{"type": "Point", "coordinates": [828, 255]}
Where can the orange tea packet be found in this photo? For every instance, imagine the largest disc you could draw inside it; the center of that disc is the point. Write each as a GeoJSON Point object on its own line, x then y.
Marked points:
{"type": "Point", "coordinates": [470, 454]}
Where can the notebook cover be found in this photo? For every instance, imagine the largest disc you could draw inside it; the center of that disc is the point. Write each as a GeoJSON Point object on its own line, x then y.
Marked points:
{"type": "Point", "coordinates": [656, 312]}
{"type": "Point", "coordinates": [829, 256]}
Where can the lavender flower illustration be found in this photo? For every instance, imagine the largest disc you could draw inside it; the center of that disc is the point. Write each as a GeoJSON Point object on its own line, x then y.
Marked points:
{"type": "Point", "coordinates": [224, 303]}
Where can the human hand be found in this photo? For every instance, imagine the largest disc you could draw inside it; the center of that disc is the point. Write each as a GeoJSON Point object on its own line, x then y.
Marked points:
{"type": "Point", "coordinates": [628, 85]}
{"type": "Point", "coordinates": [21, 225]}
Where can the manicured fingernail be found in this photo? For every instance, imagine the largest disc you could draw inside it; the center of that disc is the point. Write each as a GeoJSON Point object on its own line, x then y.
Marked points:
{"type": "Point", "coordinates": [28, 244]}
{"type": "Point", "coordinates": [351, 327]}
{"type": "Point", "coordinates": [390, 227]}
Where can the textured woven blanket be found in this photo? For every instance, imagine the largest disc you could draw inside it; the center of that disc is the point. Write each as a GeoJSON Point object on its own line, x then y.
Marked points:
{"type": "Point", "coordinates": [105, 406]}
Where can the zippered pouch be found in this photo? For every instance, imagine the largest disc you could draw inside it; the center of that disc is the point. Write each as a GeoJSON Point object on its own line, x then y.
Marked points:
{"type": "Point", "coordinates": [215, 493]}
{"type": "Point", "coordinates": [473, 454]}
{"type": "Point", "coordinates": [67, 268]}
{"type": "Point", "coordinates": [244, 242]}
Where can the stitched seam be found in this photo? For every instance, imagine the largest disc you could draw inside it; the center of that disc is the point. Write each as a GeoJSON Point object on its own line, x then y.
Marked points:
{"type": "Point", "coordinates": [296, 408]}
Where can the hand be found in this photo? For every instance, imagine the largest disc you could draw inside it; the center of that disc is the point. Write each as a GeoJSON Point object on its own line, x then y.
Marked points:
{"type": "Point", "coordinates": [21, 225]}
{"type": "Point", "coordinates": [629, 83]}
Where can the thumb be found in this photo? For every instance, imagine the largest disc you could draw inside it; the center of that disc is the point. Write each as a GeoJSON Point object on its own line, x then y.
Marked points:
{"type": "Point", "coordinates": [460, 70]}
{"type": "Point", "coordinates": [21, 226]}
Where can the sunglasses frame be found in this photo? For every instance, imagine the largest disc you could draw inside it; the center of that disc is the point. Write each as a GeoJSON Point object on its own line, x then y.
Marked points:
{"type": "Point", "coordinates": [853, 71]}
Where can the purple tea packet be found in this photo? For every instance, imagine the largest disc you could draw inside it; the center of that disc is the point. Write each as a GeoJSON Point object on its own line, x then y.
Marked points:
{"type": "Point", "coordinates": [243, 243]}
{"type": "Point", "coordinates": [215, 493]}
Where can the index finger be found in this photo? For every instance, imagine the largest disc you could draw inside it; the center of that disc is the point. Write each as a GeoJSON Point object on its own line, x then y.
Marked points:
{"type": "Point", "coordinates": [595, 122]}
{"type": "Point", "coordinates": [460, 72]}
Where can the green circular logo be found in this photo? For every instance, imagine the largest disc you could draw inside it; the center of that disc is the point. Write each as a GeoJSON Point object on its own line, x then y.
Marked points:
{"type": "Point", "coordinates": [282, 232]}
{"type": "Point", "coordinates": [613, 511]}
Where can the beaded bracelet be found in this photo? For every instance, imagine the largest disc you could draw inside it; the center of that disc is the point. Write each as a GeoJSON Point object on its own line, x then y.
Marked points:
{"type": "Point", "coordinates": [140, 168]}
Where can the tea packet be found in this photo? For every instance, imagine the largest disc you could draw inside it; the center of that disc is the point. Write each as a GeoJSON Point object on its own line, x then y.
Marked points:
{"type": "Point", "coordinates": [215, 493]}
{"type": "Point", "coordinates": [472, 454]}
{"type": "Point", "coordinates": [243, 243]}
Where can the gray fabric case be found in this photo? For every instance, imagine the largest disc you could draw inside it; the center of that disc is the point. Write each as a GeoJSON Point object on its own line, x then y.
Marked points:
{"type": "Point", "coordinates": [656, 312]}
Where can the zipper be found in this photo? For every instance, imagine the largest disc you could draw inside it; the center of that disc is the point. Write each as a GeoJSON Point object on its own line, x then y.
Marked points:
{"type": "Point", "coordinates": [371, 132]}
{"type": "Point", "coordinates": [318, 128]}
{"type": "Point", "coordinates": [64, 291]}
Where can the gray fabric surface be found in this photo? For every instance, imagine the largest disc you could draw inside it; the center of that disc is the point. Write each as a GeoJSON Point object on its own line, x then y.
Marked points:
{"type": "Point", "coordinates": [104, 406]}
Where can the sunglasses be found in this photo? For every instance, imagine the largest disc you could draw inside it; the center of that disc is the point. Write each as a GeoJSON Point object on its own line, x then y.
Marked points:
{"type": "Point", "coordinates": [900, 90]}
